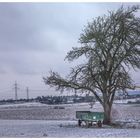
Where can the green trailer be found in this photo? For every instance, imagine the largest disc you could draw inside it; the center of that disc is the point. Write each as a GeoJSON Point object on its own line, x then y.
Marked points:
{"type": "Point", "coordinates": [90, 118]}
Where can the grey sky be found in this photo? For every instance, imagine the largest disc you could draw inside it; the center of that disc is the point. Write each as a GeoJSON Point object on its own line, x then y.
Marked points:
{"type": "Point", "coordinates": [35, 37]}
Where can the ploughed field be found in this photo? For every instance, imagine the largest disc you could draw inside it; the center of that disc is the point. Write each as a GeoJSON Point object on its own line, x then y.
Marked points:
{"type": "Point", "coordinates": [38, 111]}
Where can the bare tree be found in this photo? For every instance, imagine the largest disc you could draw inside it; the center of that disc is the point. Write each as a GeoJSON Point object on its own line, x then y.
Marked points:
{"type": "Point", "coordinates": [111, 46]}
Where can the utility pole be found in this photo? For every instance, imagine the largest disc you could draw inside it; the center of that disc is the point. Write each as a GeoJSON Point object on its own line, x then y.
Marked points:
{"type": "Point", "coordinates": [27, 91]}
{"type": "Point", "coordinates": [16, 88]}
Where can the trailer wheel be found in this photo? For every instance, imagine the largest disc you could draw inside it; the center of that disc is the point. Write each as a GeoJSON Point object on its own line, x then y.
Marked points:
{"type": "Point", "coordinates": [87, 123]}
{"type": "Point", "coordinates": [79, 123]}
{"type": "Point", "coordinates": [90, 124]}
{"type": "Point", "coordinates": [99, 123]}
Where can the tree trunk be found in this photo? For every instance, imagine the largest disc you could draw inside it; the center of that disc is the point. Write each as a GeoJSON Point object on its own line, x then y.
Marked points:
{"type": "Point", "coordinates": [107, 113]}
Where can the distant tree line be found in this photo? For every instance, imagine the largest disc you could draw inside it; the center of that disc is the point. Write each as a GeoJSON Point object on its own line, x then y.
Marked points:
{"type": "Point", "coordinates": [53, 99]}
{"type": "Point", "coordinates": [5, 101]}
{"type": "Point", "coordinates": [61, 99]}
{"type": "Point", "coordinates": [64, 99]}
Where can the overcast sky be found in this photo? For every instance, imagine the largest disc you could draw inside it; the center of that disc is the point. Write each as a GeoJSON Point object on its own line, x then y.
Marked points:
{"type": "Point", "coordinates": [34, 39]}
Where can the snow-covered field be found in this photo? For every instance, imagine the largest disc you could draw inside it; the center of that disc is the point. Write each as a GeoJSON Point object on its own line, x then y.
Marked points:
{"type": "Point", "coordinates": [125, 101]}
{"type": "Point", "coordinates": [38, 111]}
{"type": "Point", "coordinates": [67, 129]}
{"type": "Point", "coordinates": [41, 120]}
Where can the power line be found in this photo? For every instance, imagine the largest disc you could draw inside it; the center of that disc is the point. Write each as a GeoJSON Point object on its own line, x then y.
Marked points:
{"type": "Point", "coordinates": [16, 89]}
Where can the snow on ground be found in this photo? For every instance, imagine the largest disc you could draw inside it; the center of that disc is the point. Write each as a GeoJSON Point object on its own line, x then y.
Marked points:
{"type": "Point", "coordinates": [38, 111]}
{"type": "Point", "coordinates": [41, 112]}
{"type": "Point", "coordinates": [36, 104]}
{"type": "Point", "coordinates": [41, 120]}
{"type": "Point", "coordinates": [28, 104]}
{"type": "Point", "coordinates": [125, 101]}
{"type": "Point", "coordinates": [49, 128]}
